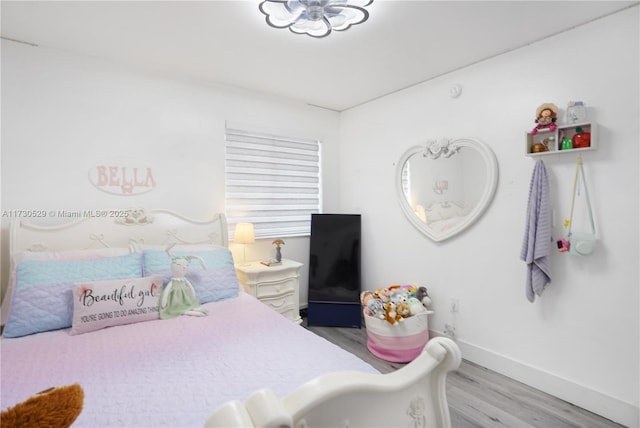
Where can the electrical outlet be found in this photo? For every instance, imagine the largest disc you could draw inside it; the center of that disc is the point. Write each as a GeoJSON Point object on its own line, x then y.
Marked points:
{"type": "Point", "coordinates": [455, 305]}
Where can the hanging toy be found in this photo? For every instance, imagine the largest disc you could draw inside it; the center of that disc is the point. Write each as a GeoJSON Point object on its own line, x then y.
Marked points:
{"type": "Point", "coordinates": [578, 243]}
{"type": "Point", "coordinates": [563, 243]}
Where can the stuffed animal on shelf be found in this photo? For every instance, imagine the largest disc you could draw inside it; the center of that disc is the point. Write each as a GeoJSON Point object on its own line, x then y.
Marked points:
{"type": "Point", "coordinates": [179, 296]}
{"type": "Point", "coordinates": [54, 407]}
{"type": "Point", "coordinates": [546, 116]}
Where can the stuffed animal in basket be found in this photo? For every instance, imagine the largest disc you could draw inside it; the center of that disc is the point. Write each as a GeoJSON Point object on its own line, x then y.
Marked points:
{"type": "Point", "coordinates": [398, 296]}
{"type": "Point", "coordinates": [403, 310]}
{"type": "Point", "coordinates": [365, 297]}
{"type": "Point", "coordinates": [410, 290]}
{"type": "Point", "coordinates": [372, 306]}
{"type": "Point", "coordinates": [383, 294]}
{"type": "Point", "coordinates": [376, 308]}
{"type": "Point", "coordinates": [415, 306]}
{"type": "Point", "coordinates": [54, 407]}
{"type": "Point", "coordinates": [391, 313]}
{"type": "Point", "coordinates": [423, 296]}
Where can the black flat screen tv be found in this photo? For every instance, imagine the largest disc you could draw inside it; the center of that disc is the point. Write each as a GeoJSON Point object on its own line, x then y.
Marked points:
{"type": "Point", "coordinates": [334, 270]}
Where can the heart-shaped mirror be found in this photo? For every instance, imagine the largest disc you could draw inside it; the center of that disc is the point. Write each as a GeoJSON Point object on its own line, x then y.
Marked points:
{"type": "Point", "coordinates": [445, 185]}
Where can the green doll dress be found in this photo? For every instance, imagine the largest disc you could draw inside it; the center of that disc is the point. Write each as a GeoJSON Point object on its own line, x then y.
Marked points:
{"type": "Point", "coordinates": [180, 299]}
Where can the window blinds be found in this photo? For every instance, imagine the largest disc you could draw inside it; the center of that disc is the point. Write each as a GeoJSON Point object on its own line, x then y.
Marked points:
{"type": "Point", "coordinates": [272, 182]}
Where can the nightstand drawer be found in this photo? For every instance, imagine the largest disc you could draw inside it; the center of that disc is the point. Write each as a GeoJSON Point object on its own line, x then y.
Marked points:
{"type": "Point", "coordinates": [280, 303]}
{"type": "Point", "coordinates": [276, 288]}
{"type": "Point", "coordinates": [290, 312]}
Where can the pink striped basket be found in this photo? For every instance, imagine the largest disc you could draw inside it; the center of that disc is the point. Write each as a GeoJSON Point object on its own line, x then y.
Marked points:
{"type": "Point", "coordinates": [399, 343]}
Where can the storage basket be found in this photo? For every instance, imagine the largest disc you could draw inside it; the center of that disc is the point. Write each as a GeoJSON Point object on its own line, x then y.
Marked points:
{"type": "Point", "coordinates": [398, 343]}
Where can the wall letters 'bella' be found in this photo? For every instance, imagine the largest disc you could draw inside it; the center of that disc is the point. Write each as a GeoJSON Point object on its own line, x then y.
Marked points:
{"type": "Point", "coordinates": [122, 179]}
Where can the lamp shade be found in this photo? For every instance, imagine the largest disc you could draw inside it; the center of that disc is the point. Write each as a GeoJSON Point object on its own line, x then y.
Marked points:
{"type": "Point", "coordinates": [244, 234]}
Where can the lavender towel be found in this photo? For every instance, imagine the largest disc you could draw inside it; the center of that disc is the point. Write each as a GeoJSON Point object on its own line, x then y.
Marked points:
{"type": "Point", "coordinates": [536, 245]}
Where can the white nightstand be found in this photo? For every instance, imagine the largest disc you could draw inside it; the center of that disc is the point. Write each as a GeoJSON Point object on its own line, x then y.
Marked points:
{"type": "Point", "coordinates": [276, 286]}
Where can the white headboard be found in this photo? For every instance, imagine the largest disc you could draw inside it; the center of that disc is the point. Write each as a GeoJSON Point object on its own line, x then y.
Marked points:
{"type": "Point", "coordinates": [117, 229]}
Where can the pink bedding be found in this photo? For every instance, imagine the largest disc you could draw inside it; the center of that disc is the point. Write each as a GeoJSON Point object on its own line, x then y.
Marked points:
{"type": "Point", "coordinates": [171, 373]}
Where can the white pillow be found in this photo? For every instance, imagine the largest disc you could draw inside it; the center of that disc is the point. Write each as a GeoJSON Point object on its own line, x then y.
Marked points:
{"type": "Point", "coordinates": [100, 304]}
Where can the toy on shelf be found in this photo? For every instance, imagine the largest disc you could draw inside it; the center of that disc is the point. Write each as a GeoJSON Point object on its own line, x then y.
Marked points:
{"type": "Point", "coordinates": [576, 112]}
{"type": "Point", "coordinates": [546, 116]}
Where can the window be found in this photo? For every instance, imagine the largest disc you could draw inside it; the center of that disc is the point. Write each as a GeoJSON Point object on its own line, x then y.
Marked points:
{"type": "Point", "coordinates": [271, 181]}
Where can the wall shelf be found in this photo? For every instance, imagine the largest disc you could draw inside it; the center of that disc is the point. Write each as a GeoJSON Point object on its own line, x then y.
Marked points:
{"type": "Point", "coordinates": [555, 139]}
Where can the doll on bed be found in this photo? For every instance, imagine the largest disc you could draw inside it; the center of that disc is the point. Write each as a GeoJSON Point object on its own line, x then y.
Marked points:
{"type": "Point", "coordinates": [179, 296]}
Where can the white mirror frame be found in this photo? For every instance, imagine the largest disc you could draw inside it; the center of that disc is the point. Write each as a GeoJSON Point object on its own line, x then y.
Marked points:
{"type": "Point", "coordinates": [447, 148]}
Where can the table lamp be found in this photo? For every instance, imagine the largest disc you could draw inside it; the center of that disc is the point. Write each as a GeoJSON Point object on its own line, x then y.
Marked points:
{"type": "Point", "coordinates": [244, 235]}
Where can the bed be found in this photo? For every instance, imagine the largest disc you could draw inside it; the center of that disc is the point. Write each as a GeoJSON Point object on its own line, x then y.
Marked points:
{"type": "Point", "coordinates": [242, 364]}
{"type": "Point", "coordinates": [442, 215]}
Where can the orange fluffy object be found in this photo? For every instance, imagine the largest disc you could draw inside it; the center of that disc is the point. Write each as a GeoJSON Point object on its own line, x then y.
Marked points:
{"type": "Point", "coordinates": [54, 407]}
{"type": "Point", "coordinates": [391, 313]}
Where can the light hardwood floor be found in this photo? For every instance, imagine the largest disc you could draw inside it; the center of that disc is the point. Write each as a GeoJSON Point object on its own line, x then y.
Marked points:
{"type": "Point", "coordinates": [479, 397]}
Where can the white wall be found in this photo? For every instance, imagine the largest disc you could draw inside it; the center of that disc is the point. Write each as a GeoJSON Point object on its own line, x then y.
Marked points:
{"type": "Point", "coordinates": [63, 114]}
{"type": "Point", "coordinates": [580, 339]}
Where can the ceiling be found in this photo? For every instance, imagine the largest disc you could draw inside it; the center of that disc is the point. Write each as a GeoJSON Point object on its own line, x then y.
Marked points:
{"type": "Point", "coordinates": [228, 42]}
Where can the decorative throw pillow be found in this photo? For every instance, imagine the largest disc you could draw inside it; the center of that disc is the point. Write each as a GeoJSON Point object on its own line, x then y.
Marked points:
{"type": "Point", "coordinates": [43, 296]}
{"type": "Point", "coordinates": [217, 281]}
{"type": "Point", "coordinates": [101, 304]}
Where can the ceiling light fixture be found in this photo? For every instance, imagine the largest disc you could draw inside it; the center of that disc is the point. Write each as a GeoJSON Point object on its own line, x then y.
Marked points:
{"type": "Point", "coordinates": [316, 18]}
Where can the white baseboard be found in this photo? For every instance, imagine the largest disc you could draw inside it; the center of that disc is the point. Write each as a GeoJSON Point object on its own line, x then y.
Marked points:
{"type": "Point", "coordinates": [594, 401]}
